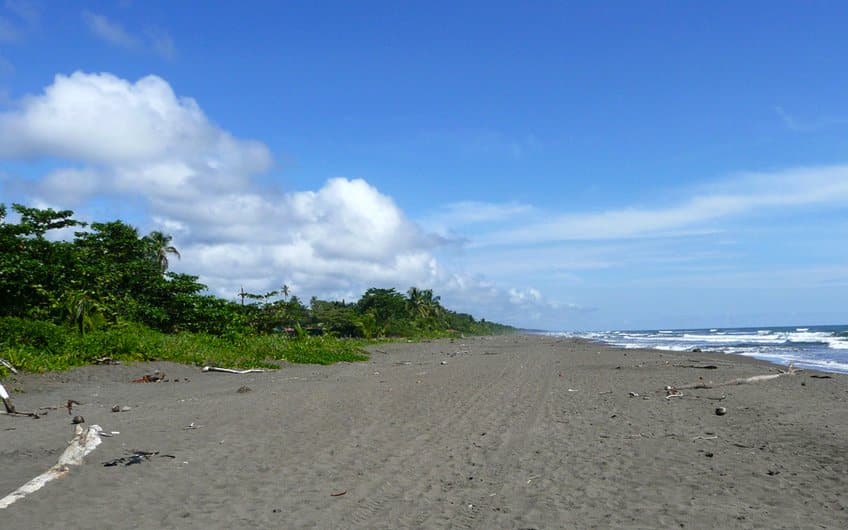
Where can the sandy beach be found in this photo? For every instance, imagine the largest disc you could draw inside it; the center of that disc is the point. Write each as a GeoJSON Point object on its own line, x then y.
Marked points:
{"type": "Point", "coordinates": [505, 432]}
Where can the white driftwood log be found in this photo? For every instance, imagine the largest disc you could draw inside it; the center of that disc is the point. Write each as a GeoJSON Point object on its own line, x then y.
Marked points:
{"type": "Point", "coordinates": [84, 442]}
{"type": "Point", "coordinates": [790, 370]}
{"type": "Point", "coordinates": [231, 371]}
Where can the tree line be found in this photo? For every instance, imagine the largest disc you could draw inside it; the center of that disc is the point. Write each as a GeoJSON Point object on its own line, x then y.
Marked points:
{"type": "Point", "coordinates": [109, 274]}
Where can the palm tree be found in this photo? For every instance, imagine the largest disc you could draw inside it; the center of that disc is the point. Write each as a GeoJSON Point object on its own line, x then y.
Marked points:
{"type": "Point", "coordinates": [422, 303]}
{"type": "Point", "coordinates": [160, 247]}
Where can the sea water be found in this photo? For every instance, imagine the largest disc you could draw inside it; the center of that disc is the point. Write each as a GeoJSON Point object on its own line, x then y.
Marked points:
{"type": "Point", "coordinates": [818, 347]}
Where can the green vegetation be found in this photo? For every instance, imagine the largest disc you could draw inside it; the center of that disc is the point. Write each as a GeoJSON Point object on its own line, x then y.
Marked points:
{"type": "Point", "coordinates": [108, 293]}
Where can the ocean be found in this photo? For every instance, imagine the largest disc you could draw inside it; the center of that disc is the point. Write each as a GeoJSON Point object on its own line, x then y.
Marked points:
{"type": "Point", "coordinates": [822, 348]}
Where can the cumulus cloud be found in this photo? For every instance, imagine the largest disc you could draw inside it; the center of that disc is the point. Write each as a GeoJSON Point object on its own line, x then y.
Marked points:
{"type": "Point", "coordinates": [140, 137]}
{"type": "Point", "coordinates": [139, 140]}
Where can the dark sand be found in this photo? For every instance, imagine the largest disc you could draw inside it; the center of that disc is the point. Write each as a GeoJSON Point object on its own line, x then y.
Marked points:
{"type": "Point", "coordinates": [513, 432]}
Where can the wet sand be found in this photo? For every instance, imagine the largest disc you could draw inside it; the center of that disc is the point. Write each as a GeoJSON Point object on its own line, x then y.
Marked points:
{"type": "Point", "coordinates": [511, 432]}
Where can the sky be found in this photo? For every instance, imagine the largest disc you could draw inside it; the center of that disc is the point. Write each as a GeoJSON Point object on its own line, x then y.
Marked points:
{"type": "Point", "coordinates": [551, 165]}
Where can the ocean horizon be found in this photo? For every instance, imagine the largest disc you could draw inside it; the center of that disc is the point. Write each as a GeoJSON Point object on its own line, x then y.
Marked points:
{"type": "Point", "coordinates": [818, 347]}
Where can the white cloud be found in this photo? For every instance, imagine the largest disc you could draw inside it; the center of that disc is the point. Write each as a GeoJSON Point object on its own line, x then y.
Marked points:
{"type": "Point", "coordinates": [745, 194]}
{"type": "Point", "coordinates": [162, 43]}
{"type": "Point", "coordinates": [466, 213]}
{"type": "Point", "coordinates": [28, 12]}
{"type": "Point", "coordinates": [139, 136]}
{"type": "Point", "coordinates": [139, 140]}
{"type": "Point", "coordinates": [24, 19]}
{"type": "Point", "coordinates": [157, 40]}
{"type": "Point", "coordinates": [109, 31]}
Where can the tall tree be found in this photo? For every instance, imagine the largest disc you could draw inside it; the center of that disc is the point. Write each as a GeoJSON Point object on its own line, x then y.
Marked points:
{"type": "Point", "coordinates": [161, 247]}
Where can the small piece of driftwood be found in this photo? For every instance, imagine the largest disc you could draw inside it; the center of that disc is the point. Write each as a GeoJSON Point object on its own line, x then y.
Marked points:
{"type": "Point", "coordinates": [231, 371]}
{"type": "Point", "coordinates": [85, 441]}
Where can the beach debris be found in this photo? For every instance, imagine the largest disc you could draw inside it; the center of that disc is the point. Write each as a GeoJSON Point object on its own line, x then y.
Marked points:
{"type": "Point", "coordinates": [702, 367]}
{"type": "Point", "coordinates": [790, 370]}
{"type": "Point", "coordinates": [70, 405]}
{"type": "Point", "coordinates": [338, 493]}
{"type": "Point", "coordinates": [84, 442]}
{"type": "Point", "coordinates": [720, 411]}
{"type": "Point", "coordinates": [673, 393]}
{"type": "Point", "coordinates": [819, 376]}
{"type": "Point", "coordinates": [118, 408]}
{"type": "Point", "coordinates": [7, 401]}
{"type": "Point", "coordinates": [106, 360]}
{"type": "Point", "coordinates": [231, 371]}
{"type": "Point", "coordinates": [190, 427]}
{"type": "Point", "coordinates": [443, 363]}
{"type": "Point", "coordinates": [8, 365]}
{"type": "Point", "coordinates": [634, 394]}
{"type": "Point", "coordinates": [714, 437]}
{"type": "Point", "coordinates": [244, 389]}
{"type": "Point", "coordinates": [156, 377]}
{"type": "Point", "coordinates": [77, 420]}
{"type": "Point", "coordinates": [135, 457]}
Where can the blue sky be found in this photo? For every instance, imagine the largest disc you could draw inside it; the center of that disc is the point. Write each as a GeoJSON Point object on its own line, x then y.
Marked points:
{"type": "Point", "coordinates": [558, 165]}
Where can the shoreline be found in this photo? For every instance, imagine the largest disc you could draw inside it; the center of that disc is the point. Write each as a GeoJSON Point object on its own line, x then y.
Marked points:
{"type": "Point", "coordinates": [801, 357]}
{"type": "Point", "coordinates": [512, 431]}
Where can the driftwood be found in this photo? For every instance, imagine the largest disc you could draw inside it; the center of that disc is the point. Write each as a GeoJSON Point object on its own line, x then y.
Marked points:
{"type": "Point", "coordinates": [791, 370]}
{"type": "Point", "coordinates": [8, 365]}
{"type": "Point", "coordinates": [7, 401]}
{"type": "Point", "coordinates": [231, 371]}
{"type": "Point", "coordinates": [85, 441]}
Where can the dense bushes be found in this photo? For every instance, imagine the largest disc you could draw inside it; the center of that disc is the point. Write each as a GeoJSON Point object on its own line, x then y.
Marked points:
{"type": "Point", "coordinates": [108, 293]}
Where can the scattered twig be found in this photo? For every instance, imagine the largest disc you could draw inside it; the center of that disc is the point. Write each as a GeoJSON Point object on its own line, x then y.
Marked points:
{"type": "Point", "coordinates": [702, 367]}
{"type": "Point", "coordinates": [85, 441]}
{"type": "Point", "coordinates": [70, 405]}
{"type": "Point", "coordinates": [674, 393]}
{"type": "Point", "coordinates": [338, 493]}
{"type": "Point", "coordinates": [704, 438]}
{"type": "Point", "coordinates": [136, 457]}
{"type": "Point", "coordinates": [231, 371]}
{"type": "Point", "coordinates": [817, 376]}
